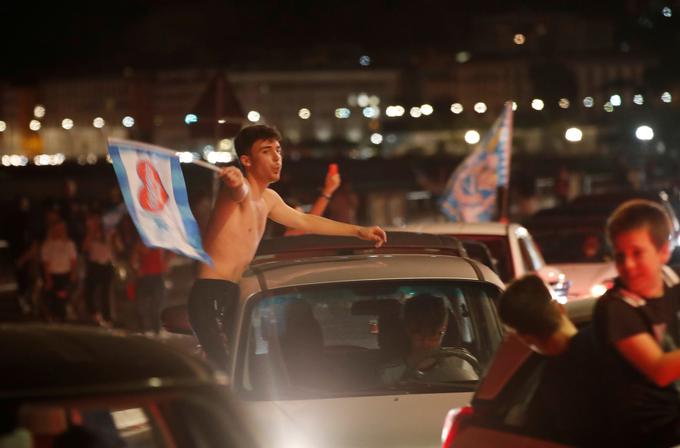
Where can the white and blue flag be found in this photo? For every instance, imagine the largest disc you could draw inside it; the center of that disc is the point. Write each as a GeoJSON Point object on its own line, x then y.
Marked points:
{"type": "Point", "coordinates": [152, 184]}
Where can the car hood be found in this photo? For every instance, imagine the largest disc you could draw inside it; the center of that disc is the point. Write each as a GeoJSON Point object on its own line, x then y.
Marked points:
{"type": "Point", "coordinates": [376, 421]}
{"type": "Point", "coordinates": [584, 276]}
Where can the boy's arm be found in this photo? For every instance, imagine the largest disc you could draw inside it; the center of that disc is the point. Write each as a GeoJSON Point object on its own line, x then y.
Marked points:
{"type": "Point", "coordinates": [645, 354]}
{"type": "Point", "coordinates": [233, 192]}
{"type": "Point", "coordinates": [280, 212]}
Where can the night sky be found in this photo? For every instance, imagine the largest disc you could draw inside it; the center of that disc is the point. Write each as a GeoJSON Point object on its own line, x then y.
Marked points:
{"type": "Point", "coordinates": [61, 39]}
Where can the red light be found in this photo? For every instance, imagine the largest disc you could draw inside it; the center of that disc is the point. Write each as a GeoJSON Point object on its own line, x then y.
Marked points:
{"type": "Point", "coordinates": [453, 421]}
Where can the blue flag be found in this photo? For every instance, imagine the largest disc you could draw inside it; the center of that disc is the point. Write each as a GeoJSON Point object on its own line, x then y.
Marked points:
{"type": "Point", "coordinates": [154, 191]}
{"type": "Point", "coordinates": [470, 193]}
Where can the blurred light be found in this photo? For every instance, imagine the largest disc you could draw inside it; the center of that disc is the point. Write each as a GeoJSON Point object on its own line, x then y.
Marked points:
{"type": "Point", "coordinates": [5, 160]}
{"type": "Point", "coordinates": [362, 100]}
{"type": "Point", "coordinates": [253, 116]}
{"type": "Point", "coordinates": [667, 11]}
{"type": "Point", "coordinates": [91, 159]}
{"type": "Point", "coordinates": [514, 105]}
{"type": "Point", "coordinates": [304, 113]}
{"type": "Point", "coordinates": [644, 133]}
{"type": "Point", "coordinates": [537, 104]}
{"type": "Point", "coordinates": [638, 99]}
{"type": "Point", "coordinates": [588, 101]}
{"type": "Point", "coordinates": [573, 135]}
{"type": "Point", "coordinates": [415, 112]}
{"type": "Point", "coordinates": [324, 133]}
{"type": "Point", "coordinates": [462, 57]}
{"type": "Point", "coordinates": [354, 135]}
{"type": "Point", "coordinates": [34, 125]}
{"type": "Point", "coordinates": [456, 108]}
{"type": "Point", "coordinates": [472, 137]}
{"type": "Point", "coordinates": [39, 111]}
{"type": "Point", "coordinates": [3, 126]}
{"type": "Point", "coordinates": [519, 39]}
{"type": "Point", "coordinates": [128, 121]}
{"type": "Point", "coordinates": [67, 123]}
{"type": "Point", "coordinates": [608, 107]}
{"type": "Point", "coordinates": [14, 160]}
{"type": "Point", "coordinates": [226, 144]}
{"type": "Point", "coordinates": [185, 156]}
{"type": "Point", "coordinates": [220, 157]}
{"type": "Point", "coordinates": [342, 113]}
{"type": "Point", "coordinates": [370, 112]}
{"type": "Point", "coordinates": [376, 138]}
{"type": "Point", "coordinates": [98, 122]}
{"type": "Point", "coordinates": [480, 107]}
{"type": "Point", "coordinates": [395, 111]}
{"type": "Point", "coordinates": [108, 159]}
{"type": "Point", "coordinates": [598, 290]}
{"type": "Point", "coordinates": [564, 103]}
{"type": "Point", "coordinates": [191, 118]}
{"type": "Point", "coordinates": [615, 100]}
{"type": "Point", "coordinates": [48, 159]}
{"type": "Point", "coordinates": [365, 60]}
{"type": "Point", "coordinates": [426, 109]}
{"type": "Point", "coordinates": [666, 97]}
{"type": "Point", "coordinates": [374, 100]}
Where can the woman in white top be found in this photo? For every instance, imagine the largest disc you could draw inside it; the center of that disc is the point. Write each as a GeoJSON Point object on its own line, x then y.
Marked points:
{"type": "Point", "coordinates": [59, 256]}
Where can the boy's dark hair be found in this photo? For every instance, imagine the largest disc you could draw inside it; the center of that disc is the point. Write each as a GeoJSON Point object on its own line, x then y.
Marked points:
{"type": "Point", "coordinates": [526, 306]}
{"type": "Point", "coordinates": [250, 134]}
{"type": "Point", "coordinates": [425, 314]}
{"type": "Point", "coordinates": [636, 214]}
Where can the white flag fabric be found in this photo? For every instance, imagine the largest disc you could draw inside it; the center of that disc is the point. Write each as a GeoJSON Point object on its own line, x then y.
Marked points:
{"type": "Point", "coordinates": [152, 184]}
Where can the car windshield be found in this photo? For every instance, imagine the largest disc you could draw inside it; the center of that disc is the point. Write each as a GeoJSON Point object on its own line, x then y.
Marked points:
{"type": "Point", "coordinates": [349, 339]}
{"type": "Point", "coordinates": [573, 244]}
{"type": "Point", "coordinates": [500, 250]}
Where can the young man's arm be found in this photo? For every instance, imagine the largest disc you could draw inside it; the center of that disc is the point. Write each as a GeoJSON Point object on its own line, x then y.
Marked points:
{"type": "Point", "coordinates": [233, 192]}
{"type": "Point", "coordinates": [645, 354]}
{"type": "Point", "coordinates": [280, 212]}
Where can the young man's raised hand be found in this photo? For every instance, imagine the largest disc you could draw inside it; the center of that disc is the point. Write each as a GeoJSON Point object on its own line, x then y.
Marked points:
{"type": "Point", "coordinates": [374, 233]}
{"type": "Point", "coordinates": [234, 180]}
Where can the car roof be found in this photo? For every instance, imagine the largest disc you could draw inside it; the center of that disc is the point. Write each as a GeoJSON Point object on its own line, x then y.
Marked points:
{"type": "Point", "coordinates": [40, 360]}
{"type": "Point", "coordinates": [463, 228]}
{"type": "Point", "coordinates": [366, 267]}
{"type": "Point", "coordinates": [513, 353]}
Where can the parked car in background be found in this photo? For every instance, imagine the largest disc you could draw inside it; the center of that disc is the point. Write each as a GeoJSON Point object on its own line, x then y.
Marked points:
{"type": "Point", "coordinates": [572, 238]}
{"type": "Point", "coordinates": [319, 323]}
{"type": "Point", "coordinates": [80, 386]}
{"type": "Point", "coordinates": [511, 245]}
{"type": "Point", "coordinates": [497, 415]}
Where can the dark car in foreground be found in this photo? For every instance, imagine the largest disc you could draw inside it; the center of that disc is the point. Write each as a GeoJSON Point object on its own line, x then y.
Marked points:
{"type": "Point", "coordinates": [497, 415]}
{"type": "Point", "coordinates": [64, 386]}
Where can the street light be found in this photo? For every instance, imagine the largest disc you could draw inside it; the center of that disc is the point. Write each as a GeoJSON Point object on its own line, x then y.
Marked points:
{"type": "Point", "coordinates": [573, 134]}
{"type": "Point", "coordinates": [644, 133]}
{"type": "Point", "coordinates": [472, 137]}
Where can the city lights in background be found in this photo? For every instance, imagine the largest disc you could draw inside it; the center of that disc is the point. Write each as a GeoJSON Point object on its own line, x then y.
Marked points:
{"type": "Point", "coordinates": [644, 133]}
{"type": "Point", "coordinates": [479, 107]}
{"type": "Point", "coordinates": [615, 100]}
{"type": "Point", "coordinates": [186, 156]}
{"type": "Point", "coordinates": [666, 97]}
{"type": "Point", "coordinates": [226, 144]}
{"type": "Point", "coordinates": [49, 159]}
{"type": "Point", "coordinates": [128, 121]}
{"type": "Point", "coordinates": [514, 105]}
{"type": "Point", "coordinates": [370, 112]}
{"type": "Point", "coordinates": [253, 116]}
{"type": "Point", "coordinates": [67, 124]}
{"type": "Point", "coordinates": [14, 160]}
{"type": "Point", "coordinates": [519, 39]}
{"type": "Point", "coordinates": [472, 137]}
{"type": "Point", "coordinates": [365, 61]}
{"type": "Point", "coordinates": [219, 157]}
{"type": "Point", "coordinates": [376, 138]}
{"type": "Point", "coordinates": [98, 122]}
{"type": "Point", "coordinates": [39, 111]}
{"type": "Point", "coordinates": [34, 125]}
{"type": "Point", "coordinates": [395, 111]}
{"type": "Point", "coordinates": [563, 103]}
{"type": "Point", "coordinates": [426, 109]}
{"type": "Point", "coordinates": [667, 11]}
{"type": "Point", "coordinates": [191, 118]}
{"type": "Point", "coordinates": [456, 108]}
{"type": "Point", "coordinates": [573, 135]}
{"type": "Point", "coordinates": [342, 113]}
{"type": "Point", "coordinates": [304, 113]}
{"type": "Point", "coordinates": [588, 101]}
{"type": "Point", "coordinates": [415, 112]}
{"type": "Point", "coordinates": [638, 99]}
{"type": "Point", "coordinates": [362, 99]}
{"type": "Point", "coordinates": [537, 104]}
{"type": "Point", "coordinates": [608, 107]}
{"type": "Point", "coordinates": [462, 57]}
{"type": "Point", "coordinates": [3, 126]}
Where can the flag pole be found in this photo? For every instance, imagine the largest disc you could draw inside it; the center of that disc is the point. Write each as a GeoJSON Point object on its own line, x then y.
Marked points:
{"type": "Point", "coordinates": [150, 147]}
{"type": "Point", "coordinates": [504, 190]}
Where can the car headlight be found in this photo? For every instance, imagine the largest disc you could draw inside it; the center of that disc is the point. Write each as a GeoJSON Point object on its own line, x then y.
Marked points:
{"type": "Point", "coordinates": [598, 290]}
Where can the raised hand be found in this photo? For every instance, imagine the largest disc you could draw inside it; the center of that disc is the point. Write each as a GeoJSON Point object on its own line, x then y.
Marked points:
{"type": "Point", "coordinates": [234, 180]}
{"type": "Point", "coordinates": [374, 233]}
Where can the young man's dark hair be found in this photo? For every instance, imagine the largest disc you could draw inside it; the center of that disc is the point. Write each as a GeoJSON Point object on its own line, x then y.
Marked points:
{"type": "Point", "coordinates": [425, 315]}
{"type": "Point", "coordinates": [527, 307]}
{"type": "Point", "coordinates": [637, 214]}
{"type": "Point", "coordinates": [250, 134]}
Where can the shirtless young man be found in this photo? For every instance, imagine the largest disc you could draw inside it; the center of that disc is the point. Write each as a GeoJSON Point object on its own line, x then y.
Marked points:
{"type": "Point", "coordinates": [236, 227]}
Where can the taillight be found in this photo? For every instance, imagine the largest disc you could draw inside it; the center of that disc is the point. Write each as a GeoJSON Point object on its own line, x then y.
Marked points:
{"type": "Point", "coordinates": [452, 424]}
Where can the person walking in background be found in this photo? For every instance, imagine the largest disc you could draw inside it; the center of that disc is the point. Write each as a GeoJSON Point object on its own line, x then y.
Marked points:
{"type": "Point", "coordinates": [150, 264]}
{"type": "Point", "coordinates": [59, 258]}
{"type": "Point", "coordinates": [331, 184]}
{"type": "Point", "coordinates": [343, 207]}
{"type": "Point", "coordinates": [99, 247]}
